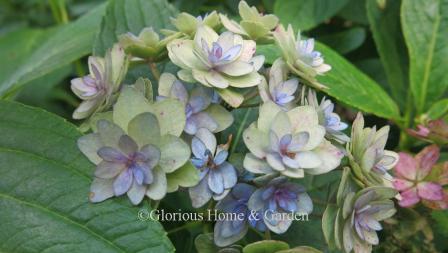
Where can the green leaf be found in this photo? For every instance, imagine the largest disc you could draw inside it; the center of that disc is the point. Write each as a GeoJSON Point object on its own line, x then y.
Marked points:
{"type": "Point", "coordinates": [345, 41]}
{"type": "Point", "coordinates": [349, 85]}
{"type": "Point", "coordinates": [328, 220]}
{"type": "Point", "coordinates": [41, 56]}
{"type": "Point", "coordinates": [306, 14]}
{"type": "Point", "coordinates": [124, 16]}
{"type": "Point", "coordinates": [270, 52]}
{"type": "Point", "coordinates": [438, 109]}
{"type": "Point", "coordinates": [385, 25]}
{"type": "Point", "coordinates": [425, 28]}
{"type": "Point", "coordinates": [266, 246]}
{"type": "Point", "coordinates": [355, 10]}
{"type": "Point", "coordinates": [44, 191]}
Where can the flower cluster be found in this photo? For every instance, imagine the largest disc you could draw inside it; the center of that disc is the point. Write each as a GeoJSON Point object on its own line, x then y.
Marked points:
{"type": "Point", "coordinates": [420, 179]}
{"type": "Point", "coordinates": [146, 143]}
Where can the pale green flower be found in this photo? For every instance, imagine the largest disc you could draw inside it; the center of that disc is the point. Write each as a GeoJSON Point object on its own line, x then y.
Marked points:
{"type": "Point", "coordinates": [253, 25]}
{"type": "Point", "coordinates": [146, 45]}
{"type": "Point", "coordinates": [353, 223]}
{"type": "Point", "coordinates": [139, 152]}
{"type": "Point", "coordinates": [369, 160]}
{"type": "Point", "coordinates": [290, 143]}
{"type": "Point", "coordinates": [280, 89]}
{"type": "Point", "coordinates": [300, 56]}
{"type": "Point", "coordinates": [188, 24]}
{"type": "Point", "coordinates": [98, 89]}
{"type": "Point", "coordinates": [217, 61]}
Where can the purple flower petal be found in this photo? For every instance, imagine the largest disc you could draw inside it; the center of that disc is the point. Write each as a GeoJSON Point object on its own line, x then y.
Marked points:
{"type": "Point", "coordinates": [178, 91]}
{"type": "Point", "coordinates": [231, 53]}
{"type": "Point", "coordinates": [127, 145]}
{"type": "Point", "coordinates": [228, 174]}
{"type": "Point", "coordinates": [220, 157]}
{"type": "Point", "coordinates": [152, 154]}
{"type": "Point", "coordinates": [138, 175]}
{"type": "Point", "coordinates": [198, 148]}
{"type": "Point", "coordinates": [108, 170]}
{"type": "Point", "coordinates": [123, 182]}
{"type": "Point", "coordinates": [111, 155]}
{"type": "Point", "coordinates": [215, 181]}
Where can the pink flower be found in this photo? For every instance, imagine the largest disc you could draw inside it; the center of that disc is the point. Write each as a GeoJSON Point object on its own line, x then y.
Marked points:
{"type": "Point", "coordinates": [434, 131]}
{"type": "Point", "coordinates": [412, 181]}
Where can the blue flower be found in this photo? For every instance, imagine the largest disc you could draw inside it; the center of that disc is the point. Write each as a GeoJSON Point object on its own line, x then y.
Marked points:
{"type": "Point", "coordinates": [217, 176]}
{"type": "Point", "coordinates": [200, 111]}
{"type": "Point", "coordinates": [280, 90]}
{"type": "Point", "coordinates": [123, 167]}
{"type": "Point", "coordinates": [227, 232]}
{"type": "Point", "coordinates": [278, 201]}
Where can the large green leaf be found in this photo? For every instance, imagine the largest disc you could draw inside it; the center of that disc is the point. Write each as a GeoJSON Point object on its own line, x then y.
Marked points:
{"type": "Point", "coordinates": [425, 28]}
{"type": "Point", "coordinates": [385, 24]}
{"type": "Point", "coordinates": [351, 86]}
{"type": "Point", "coordinates": [345, 41]}
{"type": "Point", "coordinates": [306, 14]}
{"type": "Point", "coordinates": [44, 52]}
{"type": "Point", "coordinates": [124, 16]}
{"type": "Point", "coordinates": [44, 187]}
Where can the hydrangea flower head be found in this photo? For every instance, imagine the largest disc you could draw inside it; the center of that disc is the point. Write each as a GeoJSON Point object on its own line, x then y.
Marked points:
{"type": "Point", "coordinates": [217, 176]}
{"type": "Point", "coordinates": [133, 154]}
{"type": "Point", "coordinates": [253, 25]}
{"type": "Point", "coordinates": [368, 158]}
{"type": "Point", "coordinates": [412, 181]}
{"type": "Point", "coordinates": [300, 56]}
{"type": "Point", "coordinates": [227, 232]}
{"type": "Point", "coordinates": [217, 61]}
{"type": "Point", "coordinates": [200, 111]}
{"type": "Point", "coordinates": [146, 45]}
{"type": "Point", "coordinates": [352, 223]}
{"type": "Point", "coordinates": [97, 89]}
{"type": "Point", "coordinates": [434, 131]}
{"type": "Point", "coordinates": [277, 197]}
{"type": "Point", "coordinates": [280, 90]}
{"type": "Point", "coordinates": [327, 118]}
{"type": "Point", "coordinates": [289, 143]}
{"type": "Point", "coordinates": [362, 217]}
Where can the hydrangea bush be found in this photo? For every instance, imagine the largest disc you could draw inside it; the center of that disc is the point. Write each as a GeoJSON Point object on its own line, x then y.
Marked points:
{"type": "Point", "coordinates": [160, 116]}
{"type": "Point", "coordinates": [151, 136]}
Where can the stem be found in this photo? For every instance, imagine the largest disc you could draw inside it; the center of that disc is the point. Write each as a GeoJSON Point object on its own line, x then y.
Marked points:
{"type": "Point", "coordinates": [154, 71]}
{"type": "Point", "coordinates": [256, 231]}
{"type": "Point", "coordinates": [185, 226]}
{"type": "Point", "coordinates": [156, 204]}
{"type": "Point", "coordinates": [404, 140]}
{"type": "Point", "coordinates": [249, 105]}
{"type": "Point", "coordinates": [267, 235]}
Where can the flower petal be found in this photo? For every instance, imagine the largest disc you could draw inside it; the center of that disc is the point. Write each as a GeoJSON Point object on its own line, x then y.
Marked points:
{"type": "Point", "coordinates": [430, 191]}
{"type": "Point", "coordinates": [107, 170]}
{"type": "Point", "coordinates": [409, 198]}
{"type": "Point", "coordinates": [216, 181]}
{"type": "Point", "coordinates": [101, 189]}
{"type": "Point", "coordinates": [200, 194]}
{"type": "Point", "coordinates": [157, 189]}
{"type": "Point", "coordinates": [208, 139]}
{"type": "Point", "coordinates": [123, 182]}
{"type": "Point", "coordinates": [136, 193]}
{"type": "Point", "coordinates": [406, 167]}
{"type": "Point", "coordinates": [275, 161]}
